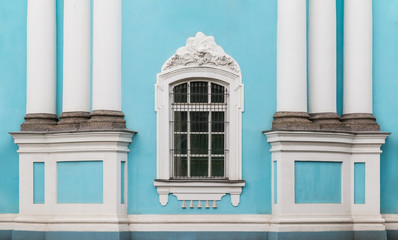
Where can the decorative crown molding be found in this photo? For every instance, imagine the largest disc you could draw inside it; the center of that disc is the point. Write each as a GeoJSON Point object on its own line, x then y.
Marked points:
{"type": "Point", "coordinates": [201, 50]}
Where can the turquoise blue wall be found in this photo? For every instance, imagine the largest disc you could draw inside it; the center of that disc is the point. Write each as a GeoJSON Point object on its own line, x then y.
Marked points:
{"type": "Point", "coordinates": [12, 96]}
{"type": "Point", "coordinates": [317, 182]}
{"type": "Point", "coordinates": [385, 100]}
{"type": "Point", "coordinates": [152, 32]}
{"type": "Point", "coordinates": [359, 183]}
{"type": "Point", "coordinates": [38, 182]}
{"type": "Point", "coordinates": [80, 182]}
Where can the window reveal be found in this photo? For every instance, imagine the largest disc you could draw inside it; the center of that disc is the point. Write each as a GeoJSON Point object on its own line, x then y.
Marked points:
{"type": "Point", "coordinates": [198, 130]}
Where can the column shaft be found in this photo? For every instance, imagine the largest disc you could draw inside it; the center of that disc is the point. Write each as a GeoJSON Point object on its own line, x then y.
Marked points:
{"type": "Point", "coordinates": [357, 107]}
{"type": "Point", "coordinates": [357, 56]}
{"type": "Point", "coordinates": [107, 45]}
{"type": "Point", "coordinates": [322, 56]}
{"type": "Point", "coordinates": [107, 58]}
{"type": "Point", "coordinates": [41, 57]}
{"type": "Point", "coordinates": [76, 81]}
{"type": "Point", "coordinates": [41, 66]}
{"type": "Point", "coordinates": [291, 56]}
{"type": "Point", "coordinates": [291, 66]}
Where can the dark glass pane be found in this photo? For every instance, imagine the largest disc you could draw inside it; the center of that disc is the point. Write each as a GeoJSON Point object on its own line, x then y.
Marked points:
{"type": "Point", "coordinates": [180, 166]}
{"type": "Point", "coordinates": [199, 166]}
{"type": "Point", "coordinates": [180, 93]}
{"type": "Point", "coordinates": [199, 121]}
{"type": "Point", "coordinates": [217, 166]}
{"type": "Point", "coordinates": [180, 144]}
{"type": "Point", "coordinates": [180, 121]}
{"type": "Point", "coordinates": [217, 144]}
{"type": "Point", "coordinates": [199, 93]}
{"type": "Point", "coordinates": [217, 121]}
{"type": "Point", "coordinates": [217, 93]}
{"type": "Point", "coordinates": [199, 143]}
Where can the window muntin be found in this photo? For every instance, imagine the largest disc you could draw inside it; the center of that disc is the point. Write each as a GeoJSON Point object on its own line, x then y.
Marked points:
{"type": "Point", "coordinates": [198, 124]}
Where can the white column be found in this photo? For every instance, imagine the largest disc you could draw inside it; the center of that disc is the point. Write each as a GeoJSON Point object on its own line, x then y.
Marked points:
{"type": "Point", "coordinates": [357, 56]}
{"type": "Point", "coordinates": [107, 44]}
{"type": "Point", "coordinates": [41, 57]}
{"type": "Point", "coordinates": [76, 81]}
{"type": "Point", "coordinates": [291, 56]}
{"type": "Point", "coordinates": [322, 56]}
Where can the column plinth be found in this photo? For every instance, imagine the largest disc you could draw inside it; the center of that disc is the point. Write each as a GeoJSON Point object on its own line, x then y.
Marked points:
{"type": "Point", "coordinates": [291, 121]}
{"type": "Point", "coordinates": [360, 122]}
{"type": "Point", "coordinates": [39, 122]}
{"type": "Point", "coordinates": [327, 121]}
{"type": "Point", "coordinates": [105, 119]}
{"type": "Point", "coordinates": [72, 120]}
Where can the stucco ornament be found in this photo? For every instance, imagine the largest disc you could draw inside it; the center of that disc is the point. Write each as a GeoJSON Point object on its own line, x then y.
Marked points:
{"type": "Point", "coordinates": [201, 50]}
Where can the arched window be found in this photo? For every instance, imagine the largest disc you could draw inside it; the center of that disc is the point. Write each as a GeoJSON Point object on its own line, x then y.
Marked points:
{"type": "Point", "coordinates": [199, 105]}
{"type": "Point", "coordinates": [198, 127]}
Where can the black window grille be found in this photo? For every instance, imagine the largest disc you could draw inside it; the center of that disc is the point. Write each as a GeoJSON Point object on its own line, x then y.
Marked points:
{"type": "Point", "coordinates": [198, 130]}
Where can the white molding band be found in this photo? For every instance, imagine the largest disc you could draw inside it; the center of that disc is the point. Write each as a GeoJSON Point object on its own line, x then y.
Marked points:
{"type": "Point", "coordinates": [292, 56]}
{"type": "Point", "coordinates": [107, 55]}
{"type": "Point", "coordinates": [41, 57]}
{"type": "Point", "coordinates": [197, 222]}
{"type": "Point", "coordinates": [357, 56]}
{"type": "Point", "coordinates": [77, 45]}
{"type": "Point", "coordinates": [322, 56]}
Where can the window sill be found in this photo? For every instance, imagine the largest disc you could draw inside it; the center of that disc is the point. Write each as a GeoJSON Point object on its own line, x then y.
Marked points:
{"type": "Point", "coordinates": [199, 190]}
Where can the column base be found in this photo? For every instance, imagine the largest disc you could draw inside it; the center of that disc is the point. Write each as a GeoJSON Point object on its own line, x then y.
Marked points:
{"type": "Point", "coordinates": [291, 121]}
{"type": "Point", "coordinates": [72, 120]}
{"type": "Point", "coordinates": [327, 121]}
{"type": "Point", "coordinates": [39, 122]}
{"type": "Point", "coordinates": [360, 122]}
{"type": "Point", "coordinates": [105, 119]}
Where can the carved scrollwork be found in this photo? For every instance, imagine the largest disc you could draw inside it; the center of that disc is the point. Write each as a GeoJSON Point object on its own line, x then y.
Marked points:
{"type": "Point", "coordinates": [201, 50]}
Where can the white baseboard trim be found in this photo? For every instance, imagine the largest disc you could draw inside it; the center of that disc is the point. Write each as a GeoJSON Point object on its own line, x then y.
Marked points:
{"type": "Point", "coordinates": [196, 222]}
{"type": "Point", "coordinates": [391, 221]}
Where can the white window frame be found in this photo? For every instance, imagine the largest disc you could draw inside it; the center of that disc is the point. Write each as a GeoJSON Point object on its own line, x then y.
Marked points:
{"type": "Point", "coordinates": [217, 67]}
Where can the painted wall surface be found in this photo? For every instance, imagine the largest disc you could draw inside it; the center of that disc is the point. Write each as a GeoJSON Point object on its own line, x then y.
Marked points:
{"type": "Point", "coordinates": [317, 182]}
{"type": "Point", "coordinates": [12, 96]}
{"type": "Point", "coordinates": [359, 183]}
{"type": "Point", "coordinates": [385, 97]}
{"type": "Point", "coordinates": [152, 31]}
{"type": "Point", "coordinates": [38, 182]}
{"type": "Point", "coordinates": [80, 182]}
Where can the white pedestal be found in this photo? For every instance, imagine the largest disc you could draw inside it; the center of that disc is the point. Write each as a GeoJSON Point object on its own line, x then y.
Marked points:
{"type": "Point", "coordinates": [290, 147]}
{"type": "Point", "coordinates": [108, 147]}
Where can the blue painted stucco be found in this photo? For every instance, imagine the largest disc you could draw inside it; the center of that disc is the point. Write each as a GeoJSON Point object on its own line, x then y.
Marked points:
{"type": "Point", "coordinates": [359, 183]}
{"type": "Point", "coordinates": [38, 182]}
{"type": "Point", "coordinates": [247, 31]}
{"type": "Point", "coordinates": [152, 31]}
{"type": "Point", "coordinates": [385, 97]}
{"type": "Point", "coordinates": [317, 182]}
{"type": "Point", "coordinates": [80, 182]}
{"type": "Point", "coordinates": [12, 96]}
{"type": "Point", "coordinates": [275, 182]}
{"type": "Point", "coordinates": [122, 176]}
